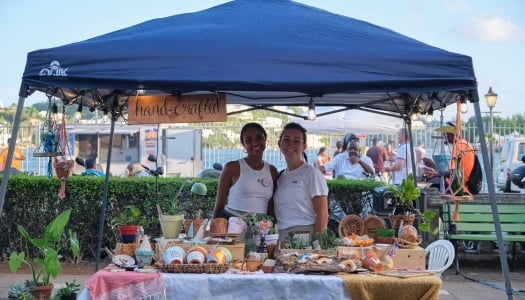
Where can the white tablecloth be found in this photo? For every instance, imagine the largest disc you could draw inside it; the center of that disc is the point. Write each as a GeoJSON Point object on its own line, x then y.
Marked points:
{"type": "Point", "coordinates": [254, 286]}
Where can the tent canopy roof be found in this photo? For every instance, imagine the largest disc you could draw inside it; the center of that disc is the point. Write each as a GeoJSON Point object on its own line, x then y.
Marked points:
{"type": "Point", "coordinates": [260, 53]}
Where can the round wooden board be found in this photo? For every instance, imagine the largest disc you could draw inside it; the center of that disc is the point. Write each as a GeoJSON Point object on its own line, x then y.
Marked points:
{"type": "Point", "coordinates": [351, 224]}
{"type": "Point", "coordinates": [373, 222]}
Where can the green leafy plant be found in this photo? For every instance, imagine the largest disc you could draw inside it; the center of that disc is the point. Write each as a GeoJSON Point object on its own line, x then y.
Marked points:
{"type": "Point", "coordinates": [129, 215]}
{"type": "Point", "coordinates": [173, 197]}
{"type": "Point", "coordinates": [49, 247]}
{"type": "Point", "coordinates": [327, 240]}
{"type": "Point", "coordinates": [70, 289]}
{"type": "Point", "coordinates": [405, 195]}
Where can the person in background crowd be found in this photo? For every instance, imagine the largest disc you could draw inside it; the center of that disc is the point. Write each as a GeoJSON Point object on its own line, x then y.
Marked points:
{"type": "Point", "coordinates": [403, 163]}
{"type": "Point", "coordinates": [430, 175]}
{"type": "Point", "coordinates": [462, 148]}
{"type": "Point", "coordinates": [16, 163]}
{"type": "Point", "coordinates": [340, 148]}
{"type": "Point", "coordinates": [247, 184]}
{"type": "Point", "coordinates": [91, 169]}
{"type": "Point", "coordinates": [378, 155]}
{"type": "Point", "coordinates": [322, 158]}
{"type": "Point", "coordinates": [354, 166]}
{"type": "Point", "coordinates": [136, 170]}
{"type": "Point", "coordinates": [390, 158]}
{"type": "Point", "coordinates": [301, 196]}
{"type": "Point", "coordinates": [420, 154]}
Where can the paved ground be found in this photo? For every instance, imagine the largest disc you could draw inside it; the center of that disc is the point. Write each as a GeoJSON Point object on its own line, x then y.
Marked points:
{"type": "Point", "coordinates": [480, 279]}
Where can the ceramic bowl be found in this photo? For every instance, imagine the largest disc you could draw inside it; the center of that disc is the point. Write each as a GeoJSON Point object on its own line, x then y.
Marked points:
{"type": "Point", "coordinates": [217, 255]}
{"type": "Point", "coordinates": [174, 255]}
{"type": "Point", "coordinates": [228, 254]}
{"type": "Point", "coordinates": [195, 257]}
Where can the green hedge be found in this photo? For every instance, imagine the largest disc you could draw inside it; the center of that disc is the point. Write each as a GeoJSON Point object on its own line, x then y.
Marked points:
{"type": "Point", "coordinates": [32, 201]}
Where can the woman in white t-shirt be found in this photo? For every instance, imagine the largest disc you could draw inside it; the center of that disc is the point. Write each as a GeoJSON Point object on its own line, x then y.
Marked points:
{"type": "Point", "coordinates": [301, 195]}
{"type": "Point", "coordinates": [246, 185]}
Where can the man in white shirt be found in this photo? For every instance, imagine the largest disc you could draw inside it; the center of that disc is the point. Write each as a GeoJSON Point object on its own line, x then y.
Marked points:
{"type": "Point", "coordinates": [355, 165]}
{"type": "Point", "coordinates": [403, 161]}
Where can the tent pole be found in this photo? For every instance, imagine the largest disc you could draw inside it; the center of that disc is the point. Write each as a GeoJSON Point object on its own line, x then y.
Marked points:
{"type": "Point", "coordinates": [11, 150]}
{"type": "Point", "coordinates": [106, 188]}
{"type": "Point", "coordinates": [492, 194]}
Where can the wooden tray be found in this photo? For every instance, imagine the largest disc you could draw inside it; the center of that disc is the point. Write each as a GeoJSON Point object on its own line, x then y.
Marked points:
{"type": "Point", "coordinates": [351, 224]}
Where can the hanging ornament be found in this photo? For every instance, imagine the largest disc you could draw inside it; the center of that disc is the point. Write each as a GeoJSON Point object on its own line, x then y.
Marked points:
{"type": "Point", "coordinates": [49, 145]}
{"type": "Point", "coordinates": [63, 164]}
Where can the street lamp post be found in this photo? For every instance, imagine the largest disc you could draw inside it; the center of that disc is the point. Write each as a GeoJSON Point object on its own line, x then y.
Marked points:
{"type": "Point", "coordinates": [491, 99]}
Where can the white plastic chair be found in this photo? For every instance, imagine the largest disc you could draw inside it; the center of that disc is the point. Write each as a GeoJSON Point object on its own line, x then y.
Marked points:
{"type": "Point", "coordinates": [440, 256]}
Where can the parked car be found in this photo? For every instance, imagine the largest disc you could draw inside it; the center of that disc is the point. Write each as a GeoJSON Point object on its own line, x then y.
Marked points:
{"type": "Point", "coordinates": [510, 158]}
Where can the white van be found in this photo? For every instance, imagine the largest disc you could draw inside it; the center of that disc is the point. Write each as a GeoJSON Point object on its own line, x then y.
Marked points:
{"type": "Point", "coordinates": [510, 158]}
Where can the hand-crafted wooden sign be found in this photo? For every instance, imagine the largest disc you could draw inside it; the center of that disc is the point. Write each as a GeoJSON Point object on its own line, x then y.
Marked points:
{"type": "Point", "coordinates": [177, 109]}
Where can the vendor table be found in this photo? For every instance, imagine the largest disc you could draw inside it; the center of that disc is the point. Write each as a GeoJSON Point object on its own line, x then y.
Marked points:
{"type": "Point", "coordinates": [277, 286]}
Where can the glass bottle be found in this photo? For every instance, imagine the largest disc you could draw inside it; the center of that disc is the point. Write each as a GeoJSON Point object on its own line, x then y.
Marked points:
{"type": "Point", "coordinates": [263, 248]}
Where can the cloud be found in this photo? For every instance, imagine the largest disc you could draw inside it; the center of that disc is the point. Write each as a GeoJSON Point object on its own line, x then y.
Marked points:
{"type": "Point", "coordinates": [475, 23]}
{"type": "Point", "coordinates": [490, 29]}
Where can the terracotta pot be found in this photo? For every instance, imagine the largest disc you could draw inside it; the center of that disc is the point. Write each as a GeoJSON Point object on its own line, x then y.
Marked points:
{"type": "Point", "coordinates": [128, 233]}
{"type": "Point", "coordinates": [42, 291]}
{"type": "Point", "coordinates": [219, 225]}
{"type": "Point", "coordinates": [191, 227]}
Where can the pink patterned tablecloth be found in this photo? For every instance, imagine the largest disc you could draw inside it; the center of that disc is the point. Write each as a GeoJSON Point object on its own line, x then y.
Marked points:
{"type": "Point", "coordinates": [126, 285]}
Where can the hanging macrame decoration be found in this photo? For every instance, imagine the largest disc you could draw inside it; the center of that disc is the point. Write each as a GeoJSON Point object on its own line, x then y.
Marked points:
{"type": "Point", "coordinates": [63, 164]}
{"type": "Point", "coordinates": [49, 145]}
{"type": "Point", "coordinates": [456, 190]}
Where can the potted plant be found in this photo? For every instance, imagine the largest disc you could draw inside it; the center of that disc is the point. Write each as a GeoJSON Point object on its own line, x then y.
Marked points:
{"type": "Point", "coordinates": [261, 224]}
{"type": "Point", "coordinates": [47, 265]}
{"type": "Point", "coordinates": [405, 211]}
{"type": "Point", "coordinates": [18, 290]}
{"type": "Point", "coordinates": [68, 292]}
{"type": "Point", "coordinates": [127, 220]}
{"type": "Point", "coordinates": [171, 218]}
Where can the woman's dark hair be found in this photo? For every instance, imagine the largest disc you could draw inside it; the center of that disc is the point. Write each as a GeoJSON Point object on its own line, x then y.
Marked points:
{"type": "Point", "coordinates": [297, 126]}
{"type": "Point", "coordinates": [252, 125]}
{"type": "Point", "coordinates": [321, 150]}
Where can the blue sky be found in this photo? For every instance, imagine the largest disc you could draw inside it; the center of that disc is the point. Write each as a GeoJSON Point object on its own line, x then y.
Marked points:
{"type": "Point", "coordinates": [492, 32]}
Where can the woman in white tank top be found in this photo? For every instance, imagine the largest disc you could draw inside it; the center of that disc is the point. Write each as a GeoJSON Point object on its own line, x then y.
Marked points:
{"type": "Point", "coordinates": [247, 184]}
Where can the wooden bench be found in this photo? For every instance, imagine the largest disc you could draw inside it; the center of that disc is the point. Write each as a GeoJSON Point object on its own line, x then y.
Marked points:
{"type": "Point", "coordinates": [476, 224]}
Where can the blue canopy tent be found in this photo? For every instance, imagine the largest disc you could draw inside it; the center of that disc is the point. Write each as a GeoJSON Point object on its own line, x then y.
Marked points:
{"type": "Point", "coordinates": [259, 53]}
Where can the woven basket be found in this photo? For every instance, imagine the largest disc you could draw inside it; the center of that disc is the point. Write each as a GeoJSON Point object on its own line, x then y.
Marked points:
{"type": "Point", "coordinates": [351, 224]}
{"type": "Point", "coordinates": [193, 268]}
{"type": "Point", "coordinates": [406, 244]}
{"type": "Point", "coordinates": [126, 248]}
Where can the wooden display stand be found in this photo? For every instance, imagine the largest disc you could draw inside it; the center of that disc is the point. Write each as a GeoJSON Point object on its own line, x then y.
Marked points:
{"type": "Point", "coordinates": [404, 258]}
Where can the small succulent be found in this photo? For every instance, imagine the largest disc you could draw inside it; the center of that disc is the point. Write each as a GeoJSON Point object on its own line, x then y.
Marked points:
{"type": "Point", "coordinates": [17, 289]}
